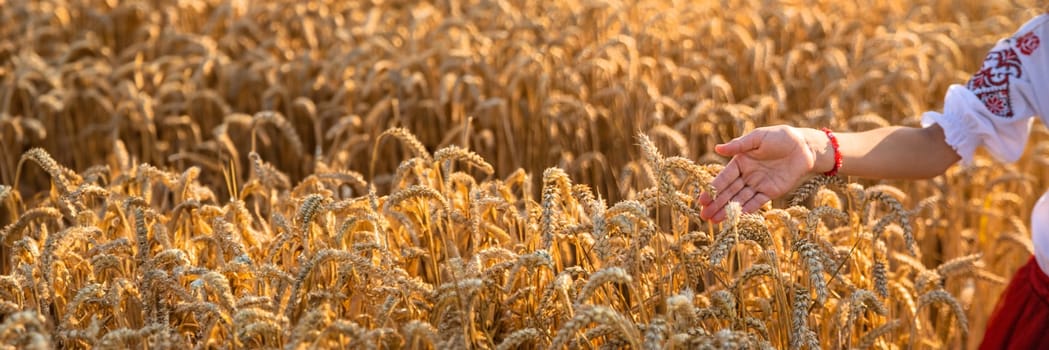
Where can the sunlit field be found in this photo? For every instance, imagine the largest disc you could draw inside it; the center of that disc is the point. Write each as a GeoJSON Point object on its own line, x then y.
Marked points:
{"type": "Point", "coordinates": [485, 174]}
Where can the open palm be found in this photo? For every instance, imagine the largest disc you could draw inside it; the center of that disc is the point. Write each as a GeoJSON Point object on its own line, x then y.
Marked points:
{"type": "Point", "coordinates": [766, 164]}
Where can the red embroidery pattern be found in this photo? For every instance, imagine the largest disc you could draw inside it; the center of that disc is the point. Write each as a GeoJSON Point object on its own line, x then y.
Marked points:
{"type": "Point", "coordinates": [991, 83]}
{"type": "Point", "coordinates": [1028, 43]}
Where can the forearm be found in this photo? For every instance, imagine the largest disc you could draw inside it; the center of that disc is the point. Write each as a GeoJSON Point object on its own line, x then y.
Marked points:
{"type": "Point", "coordinates": [885, 153]}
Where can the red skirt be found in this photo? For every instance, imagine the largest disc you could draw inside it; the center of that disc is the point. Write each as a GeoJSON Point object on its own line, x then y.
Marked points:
{"type": "Point", "coordinates": [1021, 318]}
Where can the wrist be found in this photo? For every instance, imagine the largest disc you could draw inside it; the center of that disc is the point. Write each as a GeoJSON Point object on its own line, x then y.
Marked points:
{"type": "Point", "coordinates": [837, 152]}
{"type": "Point", "coordinates": [822, 150]}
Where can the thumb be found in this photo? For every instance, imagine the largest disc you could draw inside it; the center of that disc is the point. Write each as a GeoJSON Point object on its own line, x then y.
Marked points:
{"type": "Point", "coordinates": [740, 144]}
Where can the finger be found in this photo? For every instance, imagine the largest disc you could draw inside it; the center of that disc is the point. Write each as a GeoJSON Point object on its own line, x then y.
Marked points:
{"type": "Point", "coordinates": [725, 195]}
{"type": "Point", "coordinates": [744, 195]}
{"type": "Point", "coordinates": [739, 145]}
{"type": "Point", "coordinates": [755, 203]}
{"type": "Point", "coordinates": [727, 175]}
{"type": "Point", "coordinates": [705, 198]}
{"type": "Point", "coordinates": [719, 216]}
{"type": "Point", "coordinates": [722, 199]}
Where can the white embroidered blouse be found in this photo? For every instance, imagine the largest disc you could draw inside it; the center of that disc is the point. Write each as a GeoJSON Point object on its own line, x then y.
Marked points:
{"type": "Point", "coordinates": [996, 108]}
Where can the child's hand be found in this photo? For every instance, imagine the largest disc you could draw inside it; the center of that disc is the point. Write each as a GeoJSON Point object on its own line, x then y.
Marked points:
{"type": "Point", "coordinates": [765, 164]}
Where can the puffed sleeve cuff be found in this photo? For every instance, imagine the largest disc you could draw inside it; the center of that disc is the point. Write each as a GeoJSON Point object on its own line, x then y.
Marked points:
{"type": "Point", "coordinates": [965, 129]}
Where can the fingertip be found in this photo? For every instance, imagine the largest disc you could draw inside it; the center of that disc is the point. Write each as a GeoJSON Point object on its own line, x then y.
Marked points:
{"type": "Point", "coordinates": [719, 217]}
{"type": "Point", "coordinates": [709, 217]}
{"type": "Point", "coordinates": [705, 199]}
{"type": "Point", "coordinates": [723, 149]}
{"type": "Point", "coordinates": [710, 211]}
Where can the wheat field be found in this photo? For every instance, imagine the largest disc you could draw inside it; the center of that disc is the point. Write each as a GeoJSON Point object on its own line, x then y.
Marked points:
{"type": "Point", "coordinates": [485, 174]}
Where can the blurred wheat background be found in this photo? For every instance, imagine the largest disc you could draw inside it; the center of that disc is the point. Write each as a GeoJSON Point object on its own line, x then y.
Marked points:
{"type": "Point", "coordinates": [484, 174]}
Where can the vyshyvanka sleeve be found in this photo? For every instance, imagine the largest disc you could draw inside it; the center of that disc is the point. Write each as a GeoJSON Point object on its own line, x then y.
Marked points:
{"type": "Point", "coordinates": [996, 107]}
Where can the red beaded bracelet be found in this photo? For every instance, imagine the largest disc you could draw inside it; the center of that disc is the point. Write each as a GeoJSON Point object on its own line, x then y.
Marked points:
{"type": "Point", "coordinates": [837, 153]}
